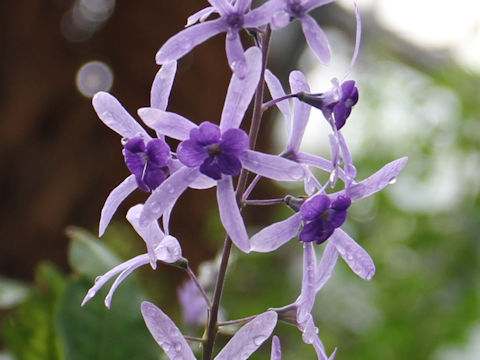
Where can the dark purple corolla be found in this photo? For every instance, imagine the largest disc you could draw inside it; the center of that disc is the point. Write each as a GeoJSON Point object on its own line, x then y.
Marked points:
{"type": "Point", "coordinates": [336, 104]}
{"type": "Point", "coordinates": [148, 162]}
{"type": "Point", "coordinates": [321, 217]}
{"type": "Point", "coordinates": [215, 153]}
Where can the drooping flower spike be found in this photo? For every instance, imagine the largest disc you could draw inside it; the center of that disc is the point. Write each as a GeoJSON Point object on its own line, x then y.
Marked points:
{"type": "Point", "coordinates": [272, 237]}
{"type": "Point", "coordinates": [148, 159]}
{"type": "Point", "coordinates": [234, 16]}
{"type": "Point", "coordinates": [218, 152]}
{"type": "Point", "coordinates": [299, 9]}
{"type": "Point", "coordinates": [240, 347]}
{"type": "Point", "coordinates": [160, 247]}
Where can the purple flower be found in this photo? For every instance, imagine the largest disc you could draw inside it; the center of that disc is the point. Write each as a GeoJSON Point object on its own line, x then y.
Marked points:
{"type": "Point", "coordinates": [272, 237]}
{"type": "Point", "coordinates": [243, 344]}
{"type": "Point", "coordinates": [160, 247]}
{"type": "Point", "coordinates": [215, 153]}
{"type": "Point", "coordinates": [336, 104]}
{"type": "Point", "coordinates": [234, 16]}
{"type": "Point", "coordinates": [208, 149]}
{"type": "Point", "coordinates": [299, 9]}
{"type": "Point", "coordinates": [149, 163]}
{"type": "Point", "coordinates": [321, 217]}
{"type": "Point", "coordinates": [146, 158]}
{"type": "Point", "coordinates": [296, 125]}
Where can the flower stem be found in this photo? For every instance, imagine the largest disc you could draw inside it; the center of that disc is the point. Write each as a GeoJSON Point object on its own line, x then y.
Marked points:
{"type": "Point", "coordinates": [237, 321]}
{"type": "Point", "coordinates": [212, 326]}
{"type": "Point", "coordinates": [199, 286]}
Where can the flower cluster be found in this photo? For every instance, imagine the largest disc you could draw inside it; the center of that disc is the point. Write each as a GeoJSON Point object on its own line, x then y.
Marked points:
{"type": "Point", "coordinates": [214, 155]}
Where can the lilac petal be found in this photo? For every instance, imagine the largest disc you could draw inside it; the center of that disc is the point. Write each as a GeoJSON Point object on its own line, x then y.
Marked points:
{"type": "Point", "coordinates": [310, 336]}
{"type": "Point", "coordinates": [272, 166]}
{"type": "Point", "coordinates": [261, 15]}
{"type": "Point", "coordinates": [354, 255]}
{"type": "Point", "coordinates": [315, 161]}
{"type": "Point", "coordinates": [167, 123]}
{"type": "Point", "coordinates": [184, 41]}
{"type": "Point", "coordinates": [350, 170]}
{"type": "Point", "coordinates": [249, 338]}
{"type": "Point", "coordinates": [123, 275]}
{"type": "Point", "coordinates": [135, 262]}
{"type": "Point", "coordinates": [326, 266]}
{"type": "Point", "coordinates": [200, 16]}
{"type": "Point", "coordinates": [169, 250]}
{"type": "Point", "coordinates": [162, 86]}
{"type": "Point", "coordinates": [312, 4]}
{"type": "Point", "coordinates": [223, 7]}
{"type": "Point", "coordinates": [358, 37]}
{"type": "Point", "coordinates": [167, 194]}
{"type": "Point", "coordinates": [166, 333]}
{"type": "Point", "coordinates": [377, 181]}
{"type": "Point", "coordinates": [301, 111]}
{"type": "Point", "coordinates": [191, 154]}
{"type": "Point", "coordinates": [207, 133]}
{"type": "Point", "coordinates": [316, 39]}
{"type": "Point", "coordinates": [313, 207]}
{"type": "Point", "coordinates": [276, 349]}
{"type": "Point", "coordinates": [114, 199]}
{"type": "Point", "coordinates": [203, 182]}
{"type": "Point", "coordinates": [240, 91]}
{"type": "Point", "coordinates": [276, 91]}
{"type": "Point", "coordinates": [234, 141]}
{"type": "Point", "coordinates": [230, 214]}
{"type": "Point", "coordinates": [112, 113]}
{"type": "Point", "coordinates": [150, 233]}
{"type": "Point", "coordinates": [272, 237]}
{"type": "Point", "coordinates": [307, 294]}
{"type": "Point", "coordinates": [236, 57]}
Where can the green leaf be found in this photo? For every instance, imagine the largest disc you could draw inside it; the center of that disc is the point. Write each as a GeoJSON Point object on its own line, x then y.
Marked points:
{"type": "Point", "coordinates": [87, 255]}
{"type": "Point", "coordinates": [29, 333]}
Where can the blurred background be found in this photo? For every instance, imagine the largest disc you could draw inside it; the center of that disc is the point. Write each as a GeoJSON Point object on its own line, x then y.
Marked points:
{"type": "Point", "coordinates": [418, 76]}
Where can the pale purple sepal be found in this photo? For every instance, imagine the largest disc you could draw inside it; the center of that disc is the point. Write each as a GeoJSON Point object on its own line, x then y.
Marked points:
{"type": "Point", "coordinates": [261, 15]}
{"type": "Point", "coordinates": [230, 214]}
{"type": "Point", "coordinates": [200, 16]}
{"type": "Point", "coordinates": [150, 232]}
{"type": "Point", "coordinates": [272, 237]}
{"type": "Point", "coordinates": [194, 307]}
{"type": "Point", "coordinates": [249, 338]}
{"type": "Point", "coordinates": [222, 6]}
{"type": "Point", "coordinates": [203, 182]}
{"type": "Point", "coordinates": [377, 181]}
{"type": "Point", "coordinates": [133, 263]}
{"type": "Point", "coordinates": [167, 123]}
{"type": "Point", "coordinates": [235, 56]}
{"type": "Point", "coordinates": [316, 38]}
{"type": "Point", "coordinates": [326, 266]}
{"type": "Point", "coordinates": [312, 4]}
{"type": "Point", "coordinates": [349, 168]}
{"type": "Point", "coordinates": [167, 194]}
{"type": "Point", "coordinates": [310, 336]}
{"type": "Point", "coordinates": [354, 255]}
{"type": "Point", "coordinates": [272, 166]}
{"type": "Point", "coordinates": [240, 91]}
{"type": "Point", "coordinates": [358, 37]}
{"type": "Point", "coordinates": [112, 113]}
{"type": "Point", "coordinates": [166, 333]}
{"type": "Point", "coordinates": [315, 161]}
{"type": "Point", "coordinates": [276, 349]}
{"type": "Point", "coordinates": [301, 111]}
{"type": "Point", "coordinates": [114, 199]}
{"type": "Point", "coordinates": [162, 86]}
{"type": "Point", "coordinates": [307, 295]}
{"type": "Point", "coordinates": [276, 91]}
{"type": "Point", "coordinates": [184, 41]}
{"type": "Point", "coordinates": [167, 251]}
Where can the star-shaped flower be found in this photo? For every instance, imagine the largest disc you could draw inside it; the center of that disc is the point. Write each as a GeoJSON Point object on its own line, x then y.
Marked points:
{"type": "Point", "coordinates": [234, 16]}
